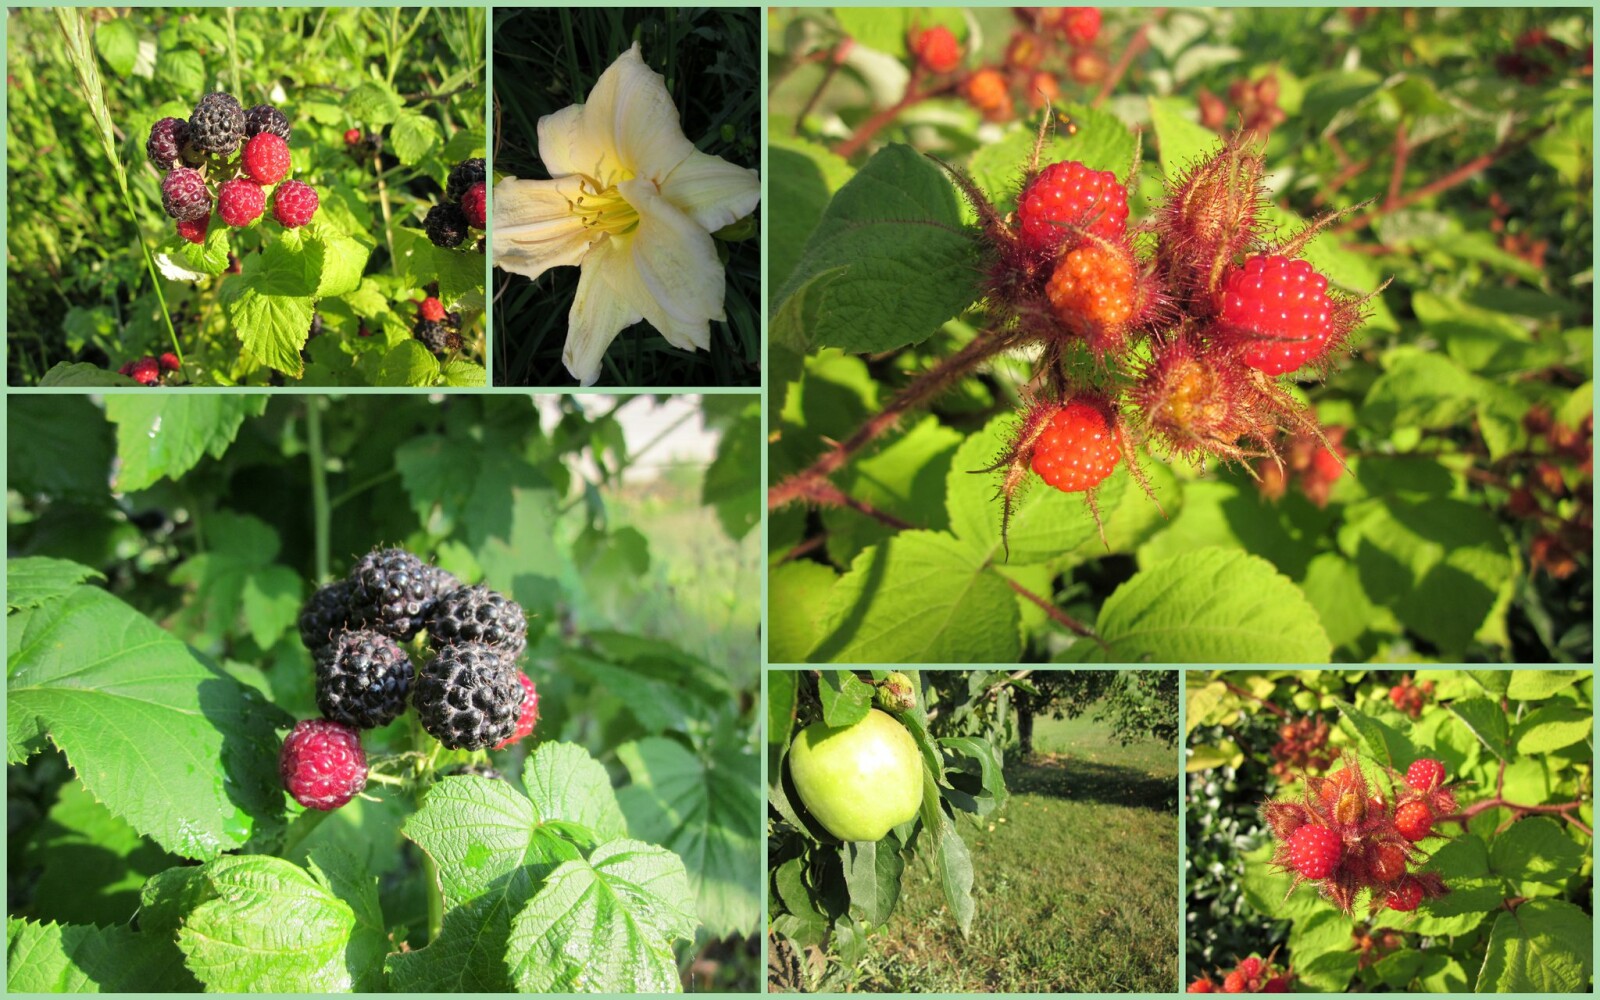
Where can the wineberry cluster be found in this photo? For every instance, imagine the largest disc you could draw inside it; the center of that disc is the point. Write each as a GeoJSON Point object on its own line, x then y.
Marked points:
{"type": "Point", "coordinates": [1410, 697]}
{"type": "Point", "coordinates": [1049, 43]}
{"type": "Point", "coordinates": [1302, 746]}
{"type": "Point", "coordinates": [1346, 838]}
{"type": "Point", "coordinates": [1251, 975]}
{"type": "Point", "coordinates": [1177, 332]}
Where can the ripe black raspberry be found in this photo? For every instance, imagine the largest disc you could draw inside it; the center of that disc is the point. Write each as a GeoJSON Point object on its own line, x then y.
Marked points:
{"type": "Point", "coordinates": [478, 614]}
{"type": "Point", "coordinates": [363, 679]}
{"type": "Point", "coordinates": [462, 176]}
{"type": "Point", "coordinates": [392, 591]}
{"type": "Point", "coordinates": [266, 118]}
{"type": "Point", "coordinates": [165, 145]}
{"type": "Point", "coordinates": [436, 337]}
{"type": "Point", "coordinates": [217, 125]}
{"type": "Point", "coordinates": [445, 225]}
{"type": "Point", "coordinates": [325, 615]}
{"type": "Point", "coordinates": [468, 697]}
{"type": "Point", "coordinates": [322, 764]}
{"type": "Point", "coordinates": [184, 194]}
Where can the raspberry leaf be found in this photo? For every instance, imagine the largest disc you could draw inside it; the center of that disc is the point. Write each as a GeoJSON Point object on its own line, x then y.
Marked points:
{"type": "Point", "coordinates": [270, 304]}
{"type": "Point", "coordinates": [414, 136]}
{"type": "Point", "coordinates": [1209, 606]}
{"type": "Point", "coordinates": [164, 436]}
{"type": "Point", "coordinates": [1546, 946]}
{"type": "Point", "coordinates": [39, 580]}
{"type": "Point", "coordinates": [68, 958]}
{"type": "Point", "coordinates": [704, 806]}
{"type": "Point", "coordinates": [168, 743]}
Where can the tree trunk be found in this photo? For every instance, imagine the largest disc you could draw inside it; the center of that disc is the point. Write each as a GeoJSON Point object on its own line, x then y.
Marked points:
{"type": "Point", "coordinates": [1025, 731]}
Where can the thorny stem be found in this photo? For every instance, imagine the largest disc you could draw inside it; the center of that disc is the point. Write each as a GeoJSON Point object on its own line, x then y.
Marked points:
{"type": "Point", "coordinates": [915, 394]}
{"type": "Point", "coordinates": [820, 491]}
{"type": "Point", "coordinates": [1562, 809]}
{"type": "Point", "coordinates": [1137, 44]}
{"type": "Point", "coordinates": [869, 128]}
{"type": "Point", "coordinates": [1060, 617]}
{"type": "Point", "coordinates": [1397, 175]}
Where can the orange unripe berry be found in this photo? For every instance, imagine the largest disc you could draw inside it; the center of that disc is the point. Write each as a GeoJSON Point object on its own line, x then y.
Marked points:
{"type": "Point", "coordinates": [1094, 292]}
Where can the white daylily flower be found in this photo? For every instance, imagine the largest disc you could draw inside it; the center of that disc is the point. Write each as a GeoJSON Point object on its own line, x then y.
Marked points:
{"type": "Point", "coordinates": [632, 203]}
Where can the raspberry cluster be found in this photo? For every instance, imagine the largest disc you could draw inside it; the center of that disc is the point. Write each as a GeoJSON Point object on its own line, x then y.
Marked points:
{"type": "Point", "coordinates": [229, 156]}
{"type": "Point", "coordinates": [469, 694]}
{"type": "Point", "coordinates": [1410, 697]}
{"type": "Point", "coordinates": [1312, 462]}
{"type": "Point", "coordinates": [1050, 43]}
{"type": "Point", "coordinates": [1173, 333]}
{"type": "Point", "coordinates": [150, 370]}
{"type": "Point", "coordinates": [1251, 975]}
{"type": "Point", "coordinates": [439, 331]}
{"type": "Point", "coordinates": [1554, 495]}
{"type": "Point", "coordinates": [1302, 746]}
{"type": "Point", "coordinates": [1344, 837]}
{"type": "Point", "coordinates": [1254, 104]}
{"type": "Point", "coordinates": [465, 202]}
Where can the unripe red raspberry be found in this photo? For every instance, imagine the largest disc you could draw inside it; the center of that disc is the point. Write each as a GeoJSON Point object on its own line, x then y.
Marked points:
{"type": "Point", "coordinates": [266, 159]}
{"type": "Point", "coordinates": [194, 230]}
{"type": "Point", "coordinates": [1278, 310]}
{"type": "Point", "coordinates": [1202, 985]}
{"type": "Point", "coordinates": [241, 202]}
{"type": "Point", "coordinates": [322, 764]}
{"type": "Point", "coordinates": [1414, 820]}
{"type": "Point", "coordinates": [986, 91]}
{"type": "Point", "coordinates": [1081, 25]}
{"type": "Point", "coordinates": [1277, 984]}
{"type": "Point", "coordinates": [936, 49]}
{"type": "Point", "coordinates": [1386, 861]}
{"type": "Point", "coordinates": [1093, 291]}
{"type": "Point", "coordinates": [474, 205]}
{"type": "Point", "coordinates": [1043, 88]}
{"type": "Point", "coordinates": [1315, 851]}
{"type": "Point", "coordinates": [1078, 449]}
{"type": "Point", "coordinates": [1235, 982]}
{"type": "Point", "coordinates": [1251, 967]}
{"type": "Point", "coordinates": [431, 309]}
{"type": "Point", "coordinates": [184, 194]}
{"type": "Point", "coordinates": [352, 136]}
{"type": "Point", "coordinates": [527, 712]}
{"type": "Point", "coordinates": [1425, 775]}
{"type": "Point", "coordinates": [1024, 51]}
{"type": "Point", "coordinates": [1088, 67]}
{"type": "Point", "coordinates": [294, 204]}
{"type": "Point", "coordinates": [169, 362]}
{"type": "Point", "coordinates": [145, 371]}
{"type": "Point", "coordinates": [1404, 897]}
{"type": "Point", "coordinates": [1070, 194]}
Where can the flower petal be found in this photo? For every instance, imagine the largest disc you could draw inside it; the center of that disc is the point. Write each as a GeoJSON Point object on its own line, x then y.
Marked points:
{"type": "Point", "coordinates": [598, 313]}
{"type": "Point", "coordinates": [677, 281]}
{"type": "Point", "coordinates": [630, 112]}
{"type": "Point", "coordinates": [568, 146]}
{"type": "Point", "coordinates": [535, 228]}
{"type": "Point", "coordinates": [712, 191]}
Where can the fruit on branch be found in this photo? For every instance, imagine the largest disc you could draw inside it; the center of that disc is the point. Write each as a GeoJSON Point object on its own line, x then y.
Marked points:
{"type": "Point", "coordinates": [986, 90]}
{"type": "Point", "coordinates": [240, 202]}
{"type": "Point", "coordinates": [264, 119]}
{"type": "Point", "coordinates": [1315, 851]}
{"type": "Point", "coordinates": [266, 158]}
{"type": "Point", "coordinates": [1278, 312]}
{"type": "Point", "coordinates": [325, 615]}
{"type": "Point", "coordinates": [1425, 774]}
{"type": "Point", "coordinates": [184, 195]}
{"type": "Point", "coordinates": [478, 614]}
{"type": "Point", "coordinates": [936, 49]}
{"type": "Point", "coordinates": [322, 764]}
{"type": "Point", "coordinates": [217, 125]}
{"type": "Point", "coordinates": [165, 145]}
{"type": "Point", "coordinates": [1079, 447]}
{"type": "Point", "coordinates": [1414, 820]}
{"type": "Point", "coordinates": [527, 712]}
{"type": "Point", "coordinates": [468, 697]}
{"type": "Point", "coordinates": [858, 781]}
{"type": "Point", "coordinates": [1068, 196]}
{"type": "Point", "coordinates": [363, 678]}
{"type": "Point", "coordinates": [1081, 25]}
{"type": "Point", "coordinates": [1094, 291]}
{"type": "Point", "coordinates": [294, 203]}
{"type": "Point", "coordinates": [392, 591]}
{"type": "Point", "coordinates": [895, 693]}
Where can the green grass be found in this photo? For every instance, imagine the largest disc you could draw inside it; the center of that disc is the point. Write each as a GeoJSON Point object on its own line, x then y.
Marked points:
{"type": "Point", "coordinates": [1075, 880]}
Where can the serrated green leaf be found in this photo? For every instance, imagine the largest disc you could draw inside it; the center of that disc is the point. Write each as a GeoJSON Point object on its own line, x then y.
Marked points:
{"type": "Point", "coordinates": [802, 178]}
{"type": "Point", "coordinates": [463, 374]}
{"type": "Point", "coordinates": [117, 42]}
{"type": "Point", "coordinates": [705, 807]}
{"type": "Point", "coordinates": [1486, 721]}
{"type": "Point", "coordinates": [921, 597]}
{"type": "Point", "coordinates": [413, 137]}
{"type": "Point", "coordinates": [872, 874]}
{"type": "Point", "coordinates": [1181, 142]}
{"type": "Point", "coordinates": [797, 593]}
{"type": "Point", "coordinates": [1535, 849]}
{"type": "Point", "coordinates": [846, 699]}
{"type": "Point", "coordinates": [57, 958]}
{"type": "Point", "coordinates": [605, 925]}
{"type": "Point", "coordinates": [168, 743]}
{"type": "Point", "coordinates": [164, 435]}
{"type": "Point", "coordinates": [1537, 685]}
{"type": "Point", "coordinates": [566, 784]}
{"type": "Point", "coordinates": [340, 261]}
{"type": "Point", "coordinates": [1209, 606]}
{"type": "Point", "coordinates": [37, 580]}
{"type": "Point", "coordinates": [373, 103]}
{"type": "Point", "coordinates": [270, 304]}
{"type": "Point", "coordinates": [1545, 946]}
{"type": "Point", "coordinates": [409, 363]}
{"type": "Point", "coordinates": [1552, 727]}
{"type": "Point", "coordinates": [1100, 141]}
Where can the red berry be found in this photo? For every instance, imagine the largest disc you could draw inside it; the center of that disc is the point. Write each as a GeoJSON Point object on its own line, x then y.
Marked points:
{"type": "Point", "coordinates": [1277, 984]}
{"type": "Point", "coordinates": [1202, 985]}
{"type": "Point", "coordinates": [1414, 820]}
{"type": "Point", "coordinates": [1251, 967]}
{"type": "Point", "coordinates": [1425, 775]}
{"type": "Point", "coordinates": [527, 713]}
{"type": "Point", "coordinates": [1279, 308]}
{"type": "Point", "coordinates": [322, 764]}
{"type": "Point", "coordinates": [294, 204]}
{"type": "Point", "coordinates": [474, 204]}
{"type": "Point", "coordinates": [1315, 851]}
{"type": "Point", "coordinates": [184, 195]}
{"type": "Point", "coordinates": [1081, 25]}
{"type": "Point", "coordinates": [1078, 450]}
{"type": "Point", "coordinates": [1386, 862]}
{"type": "Point", "coordinates": [1234, 982]}
{"type": "Point", "coordinates": [145, 371]}
{"type": "Point", "coordinates": [169, 362]}
{"type": "Point", "coordinates": [1404, 897]}
{"type": "Point", "coordinates": [352, 136]}
{"type": "Point", "coordinates": [1071, 194]}
{"type": "Point", "coordinates": [266, 158]}
{"type": "Point", "coordinates": [126, 369]}
{"type": "Point", "coordinates": [431, 309]}
{"type": "Point", "coordinates": [194, 230]}
{"type": "Point", "coordinates": [241, 202]}
{"type": "Point", "coordinates": [936, 49]}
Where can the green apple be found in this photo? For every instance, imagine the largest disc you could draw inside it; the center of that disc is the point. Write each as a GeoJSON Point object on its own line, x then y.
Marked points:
{"type": "Point", "coordinates": [858, 781]}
